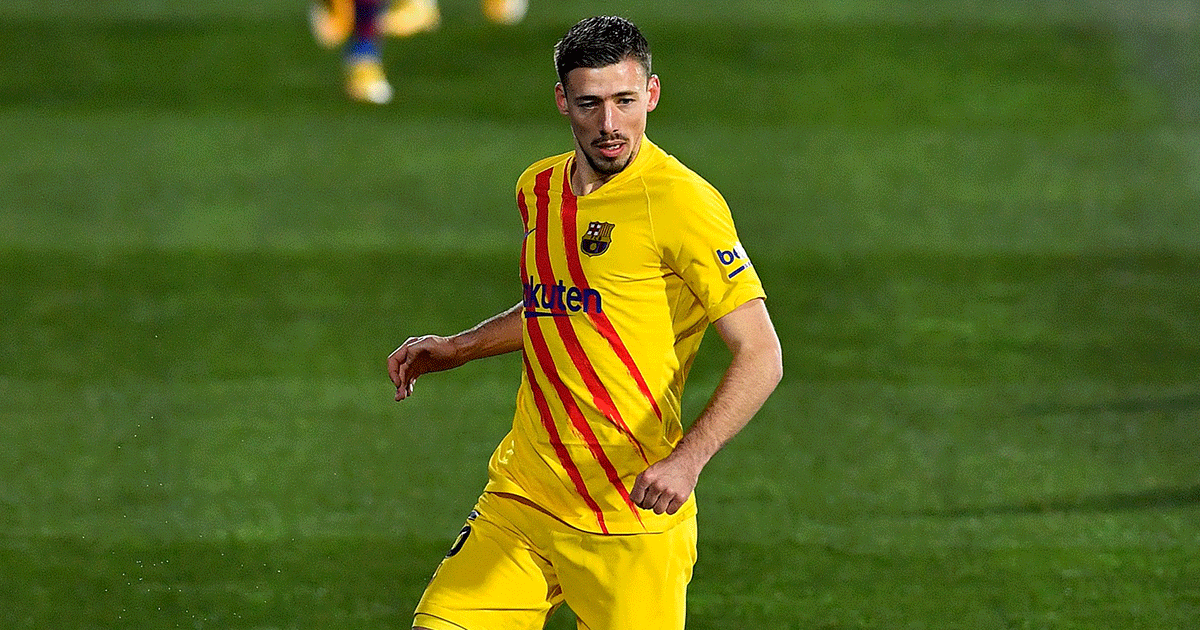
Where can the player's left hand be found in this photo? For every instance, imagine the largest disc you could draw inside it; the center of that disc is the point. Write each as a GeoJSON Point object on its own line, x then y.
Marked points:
{"type": "Point", "coordinates": [665, 485]}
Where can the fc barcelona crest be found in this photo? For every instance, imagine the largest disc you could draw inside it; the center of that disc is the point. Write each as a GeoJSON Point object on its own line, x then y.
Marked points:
{"type": "Point", "coordinates": [597, 238]}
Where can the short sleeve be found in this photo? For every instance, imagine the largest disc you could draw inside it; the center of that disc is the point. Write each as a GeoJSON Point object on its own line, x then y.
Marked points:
{"type": "Point", "coordinates": [696, 235]}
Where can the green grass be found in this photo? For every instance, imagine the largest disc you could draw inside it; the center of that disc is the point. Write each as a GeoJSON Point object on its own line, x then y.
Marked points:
{"type": "Point", "coordinates": [977, 223]}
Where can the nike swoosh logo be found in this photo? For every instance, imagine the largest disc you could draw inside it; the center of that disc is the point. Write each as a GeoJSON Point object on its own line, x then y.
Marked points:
{"type": "Point", "coordinates": [529, 231]}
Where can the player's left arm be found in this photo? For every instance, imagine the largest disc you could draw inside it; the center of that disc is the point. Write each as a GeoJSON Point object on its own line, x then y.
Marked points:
{"type": "Point", "coordinates": [753, 373]}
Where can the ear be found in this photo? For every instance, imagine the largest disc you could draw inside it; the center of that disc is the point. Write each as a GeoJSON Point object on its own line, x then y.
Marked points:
{"type": "Point", "coordinates": [560, 98]}
{"type": "Point", "coordinates": [655, 90]}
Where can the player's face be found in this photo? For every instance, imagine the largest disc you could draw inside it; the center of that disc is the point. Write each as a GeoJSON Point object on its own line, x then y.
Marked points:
{"type": "Point", "coordinates": [607, 108]}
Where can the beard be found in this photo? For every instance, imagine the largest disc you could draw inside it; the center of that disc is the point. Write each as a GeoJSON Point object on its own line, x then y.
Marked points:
{"type": "Point", "coordinates": [606, 166]}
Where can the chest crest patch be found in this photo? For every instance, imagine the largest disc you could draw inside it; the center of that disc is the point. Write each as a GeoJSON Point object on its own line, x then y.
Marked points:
{"type": "Point", "coordinates": [597, 238]}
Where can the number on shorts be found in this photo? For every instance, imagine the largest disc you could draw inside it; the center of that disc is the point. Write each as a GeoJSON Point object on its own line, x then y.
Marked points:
{"type": "Point", "coordinates": [460, 541]}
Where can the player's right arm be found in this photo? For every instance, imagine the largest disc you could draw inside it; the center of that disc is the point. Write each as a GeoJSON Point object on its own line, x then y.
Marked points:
{"type": "Point", "coordinates": [432, 353]}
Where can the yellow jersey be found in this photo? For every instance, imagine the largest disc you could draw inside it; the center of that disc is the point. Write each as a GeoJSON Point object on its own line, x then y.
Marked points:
{"type": "Point", "coordinates": [619, 287]}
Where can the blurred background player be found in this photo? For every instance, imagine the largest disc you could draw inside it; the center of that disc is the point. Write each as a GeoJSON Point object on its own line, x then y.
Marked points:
{"type": "Point", "coordinates": [354, 25]}
{"type": "Point", "coordinates": [415, 16]}
{"type": "Point", "coordinates": [357, 25]}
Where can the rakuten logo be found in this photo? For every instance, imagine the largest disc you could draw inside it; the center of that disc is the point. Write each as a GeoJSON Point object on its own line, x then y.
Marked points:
{"type": "Point", "coordinates": [559, 300]}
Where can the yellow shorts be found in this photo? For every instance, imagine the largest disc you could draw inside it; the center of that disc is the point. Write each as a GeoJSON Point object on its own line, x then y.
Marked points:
{"type": "Point", "coordinates": [513, 565]}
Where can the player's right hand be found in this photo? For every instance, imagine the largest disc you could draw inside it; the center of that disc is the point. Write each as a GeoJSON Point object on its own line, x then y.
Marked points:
{"type": "Point", "coordinates": [418, 355]}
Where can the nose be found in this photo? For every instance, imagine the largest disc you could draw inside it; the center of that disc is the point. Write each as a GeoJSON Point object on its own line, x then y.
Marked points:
{"type": "Point", "coordinates": [608, 119]}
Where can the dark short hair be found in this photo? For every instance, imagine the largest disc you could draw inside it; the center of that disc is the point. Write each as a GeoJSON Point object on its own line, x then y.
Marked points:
{"type": "Point", "coordinates": [600, 41]}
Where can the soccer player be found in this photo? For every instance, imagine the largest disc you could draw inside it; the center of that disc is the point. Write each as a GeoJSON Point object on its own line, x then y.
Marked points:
{"type": "Point", "coordinates": [408, 17]}
{"type": "Point", "coordinates": [354, 25]}
{"type": "Point", "coordinates": [627, 257]}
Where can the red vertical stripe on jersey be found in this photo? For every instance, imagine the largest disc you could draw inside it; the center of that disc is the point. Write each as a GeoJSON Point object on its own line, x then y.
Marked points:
{"type": "Point", "coordinates": [542, 350]}
{"type": "Point", "coordinates": [524, 226]}
{"type": "Point", "coordinates": [566, 331]}
{"type": "Point", "coordinates": [578, 422]}
{"type": "Point", "coordinates": [541, 193]}
{"type": "Point", "coordinates": [560, 451]}
{"type": "Point", "coordinates": [523, 208]}
{"type": "Point", "coordinates": [603, 324]}
{"type": "Point", "coordinates": [600, 395]}
{"type": "Point", "coordinates": [539, 398]}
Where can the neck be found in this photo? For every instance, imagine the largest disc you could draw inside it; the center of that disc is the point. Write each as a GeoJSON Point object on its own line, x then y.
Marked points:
{"type": "Point", "coordinates": [585, 179]}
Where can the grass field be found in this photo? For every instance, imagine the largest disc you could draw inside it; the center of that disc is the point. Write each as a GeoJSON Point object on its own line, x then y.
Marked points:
{"type": "Point", "coordinates": [978, 222]}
